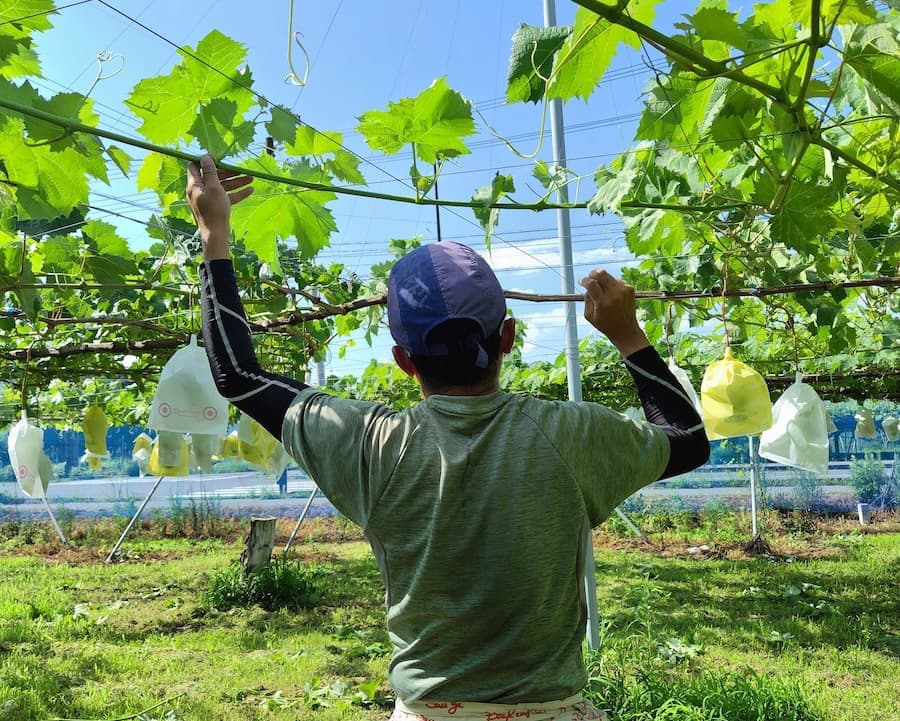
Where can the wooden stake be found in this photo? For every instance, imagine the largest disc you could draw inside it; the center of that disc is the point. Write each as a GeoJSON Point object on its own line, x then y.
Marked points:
{"type": "Point", "coordinates": [258, 550]}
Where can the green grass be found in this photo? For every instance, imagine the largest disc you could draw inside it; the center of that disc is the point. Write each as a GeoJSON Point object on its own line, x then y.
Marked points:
{"type": "Point", "coordinates": [829, 627]}
{"type": "Point", "coordinates": [282, 583]}
{"type": "Point", "coordinates": [712, 637]}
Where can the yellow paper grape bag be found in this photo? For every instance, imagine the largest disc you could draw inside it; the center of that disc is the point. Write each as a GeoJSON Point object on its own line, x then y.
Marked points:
{"type": "Point", "coordinates": [95, 426]}
{"type": "Point", "coordinates": [171, 459]}
{"type": "Point", "coordinates": [735, 399]}
{"type": "Point", "coordinates": [256, 443]}
{"type": "Point", "coordinates": [140, 452]}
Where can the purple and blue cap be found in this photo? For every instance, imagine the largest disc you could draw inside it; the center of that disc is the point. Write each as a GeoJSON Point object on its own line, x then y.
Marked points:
{"type": "Point", "coordinates": [440, 282]}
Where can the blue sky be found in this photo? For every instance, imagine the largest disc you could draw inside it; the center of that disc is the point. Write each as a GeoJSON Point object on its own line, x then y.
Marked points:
{"type": "Point", "coordinates": [364, 54]}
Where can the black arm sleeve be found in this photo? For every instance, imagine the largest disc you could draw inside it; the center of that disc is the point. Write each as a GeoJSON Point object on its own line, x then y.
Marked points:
{"type": "Point", "coordinates": [263, 396]}
{"type": "Point", "coordinates": [667, 405]}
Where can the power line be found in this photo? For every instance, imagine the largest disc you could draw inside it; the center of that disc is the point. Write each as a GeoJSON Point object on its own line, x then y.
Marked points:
{"type": "Point", "coordinates": [43, 12]}
{"type": "Point", "coordinates": [231, 79]}
{"type": "Point", "coordinates": [260, 96]}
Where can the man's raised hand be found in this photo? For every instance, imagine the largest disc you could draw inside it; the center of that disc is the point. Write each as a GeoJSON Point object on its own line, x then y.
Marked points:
{"type": "Point", "coordinates": [609, 307]}
{"type": "Point", "coordinates": [211, 192]}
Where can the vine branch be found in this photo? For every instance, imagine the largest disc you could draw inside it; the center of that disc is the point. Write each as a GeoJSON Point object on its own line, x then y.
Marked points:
{"type": "Point", "coordinates": [74, 126]}
{"type": "Point", "coordinates": [294, 319]}
{"type": "Point", "coordinates": [681, 53]}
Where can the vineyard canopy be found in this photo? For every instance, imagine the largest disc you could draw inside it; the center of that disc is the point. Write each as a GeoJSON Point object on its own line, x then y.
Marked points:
{"type": "Point", "coordinates": [759, 198]}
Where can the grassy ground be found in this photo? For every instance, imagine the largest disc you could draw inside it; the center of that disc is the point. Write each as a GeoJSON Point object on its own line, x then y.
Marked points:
{"type": "Point", "coordinates": [693, 628]}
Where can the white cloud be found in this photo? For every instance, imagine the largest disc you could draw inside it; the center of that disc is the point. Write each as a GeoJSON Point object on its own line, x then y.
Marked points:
{"type": "Point", "coordinates": [542, 255]}
{"type": "Point", "coordinates": [546, 330]}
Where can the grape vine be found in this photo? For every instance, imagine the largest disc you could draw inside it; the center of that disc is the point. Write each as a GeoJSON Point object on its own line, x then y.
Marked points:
{"type": "Point", "coordinates": [765, 158]}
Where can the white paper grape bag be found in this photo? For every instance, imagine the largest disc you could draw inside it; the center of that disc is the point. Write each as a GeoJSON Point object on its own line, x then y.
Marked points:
{"type": "Point", "coordinates": [203, 447]}
{"type": "Point", "coordinates": [799, 433]}
{"type": "Point", "coordinates": [186, 398]}
{"type": "Point", "coordinates": [685, 382]}
{"type": "Point", "coordinates": [25, 450]}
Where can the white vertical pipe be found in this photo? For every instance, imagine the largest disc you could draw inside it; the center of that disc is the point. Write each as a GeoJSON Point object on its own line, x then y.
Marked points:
{"type": "Point", "coordinates": [573, 365]}
{"type": "Point", "coordinates": [563, 226]}
{"type": "Point", "coordinates": [55, 522]}
{"type": "Point", "coordinates": [753, 487]}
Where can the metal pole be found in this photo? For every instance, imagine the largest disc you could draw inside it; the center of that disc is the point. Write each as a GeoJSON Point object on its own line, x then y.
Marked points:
{"type": "Point", "coordinates": [627, 521]}
{"type": "Point", "coordinates": [306, 508]}
{"type": "Point", "coordinates": [437, 206]}
{"type": "Point", "coordinates": [53, 518]}
{"type": "Point", "coordinates": [753, 489]}
{"type": "Point", "coordinates": [134, 518]}
{"type": "Point", "coordinates": [573, 365]}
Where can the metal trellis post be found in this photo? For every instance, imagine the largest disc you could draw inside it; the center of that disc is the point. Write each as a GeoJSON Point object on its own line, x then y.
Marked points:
{"type": "Point", "coordinates": [137, 514]}
{"type": "Point", "coordinates": [573, 364]}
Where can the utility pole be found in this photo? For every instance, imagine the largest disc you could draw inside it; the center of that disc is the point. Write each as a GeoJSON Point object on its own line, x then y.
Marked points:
{"type": "Point", "coordinates": [573, 364]}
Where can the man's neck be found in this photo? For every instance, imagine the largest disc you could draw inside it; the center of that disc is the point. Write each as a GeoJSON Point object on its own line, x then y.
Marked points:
{"type": "Point", "coordinates": [491, 385]}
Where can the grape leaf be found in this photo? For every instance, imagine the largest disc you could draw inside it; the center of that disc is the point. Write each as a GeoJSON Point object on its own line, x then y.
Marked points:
{"type": "Point", "coordinates": [164, 106]}
{"type": "Point", "coordinates": [121, 159]}
{"type": "Point", "coordinates": [712, 23]}
{"type": "Point", "coordinates": [775, 19]}
{"type": "Point", "coordinates": [219, 131]}
{"type": "Point", "coordinates": [50, 183]}
{"type": "Point", "coordinates": [20, 18]}
{"type": "Point", "coordinates": [343, 164]}
{"type": "Point", "coordinates": [166, 176]}
{"type": "Point", "coordinates": [167, 104]}
{"type": "Point", "coordinates": [59, 253]}
{"type": "Point", "coordinates": [613, 186]}
{"type": "Point", "coordinates": [531, 61]}
{"type": "Point", "coordinates": [17, 59]}
{"type": "Point", "coordinates": [44, 226]}
{"type": "Point", "coordinates": [872, 53]}
{"type": "Point", "coordinates": [486, 196]}
{"type": "Point", "coordinates": [682, 109]}
{"type": "Point", "coordinates": [803, 217]}
{"type": "Point", "coordinates": [213, 68]}
{"type": "Point", "coordinates": [110, 261]}
{"type": "Point", "coordinates": [271, 214]}
{"type": "Point", "coordinates": [851, 11]}
{"type": "Point", "coordinates": [282, 124]}
{"type": "Point", "coordinates": [590, 48]}
{"type": "Point", "coordinates": [15, 269]}
{"type": "Point", "coordinates": [435, 121]}
{"type": "Point", "coordinates": [17, 157]}
{"type": "Point", "coordinates": [655, 232]}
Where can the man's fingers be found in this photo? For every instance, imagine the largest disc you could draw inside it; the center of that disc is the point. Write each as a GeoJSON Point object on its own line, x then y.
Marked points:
{"type": "Point", "coordinates": [237, 186]}
{"type": "Point", "coordinates": [208, 165]}
{"type": "Point", "coordinates": [234, 181]}
{"type": "Point", "coordinates": [240, 195]}
{"type": "Point", "coordinates": [596, 284]}
{"type": "Point", "coordinates": [194, 176]}
{"type": "Point", "coordinates": [604, 279]}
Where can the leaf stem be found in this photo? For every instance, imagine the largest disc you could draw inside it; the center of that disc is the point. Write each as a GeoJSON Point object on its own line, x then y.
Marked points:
{"type": "Point", "coordinates": [867, 169]}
